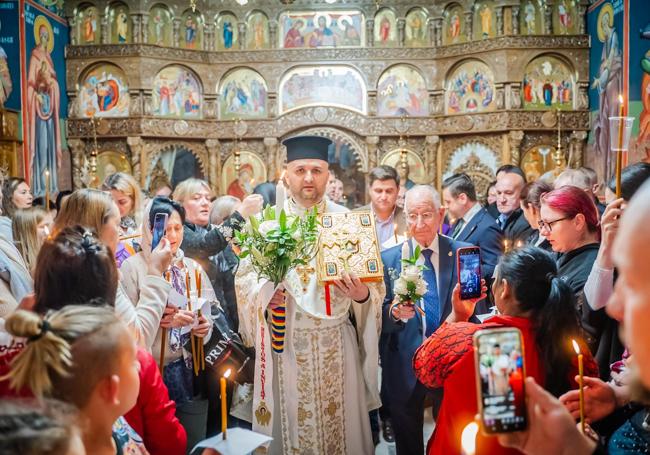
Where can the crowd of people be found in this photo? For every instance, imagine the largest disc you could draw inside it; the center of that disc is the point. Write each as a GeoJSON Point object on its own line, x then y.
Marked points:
{"type": "Point", "coordinates": [103, 333]}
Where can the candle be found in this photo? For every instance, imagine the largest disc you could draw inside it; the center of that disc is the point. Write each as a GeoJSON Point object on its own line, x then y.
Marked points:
{"type": "Point", "coordinates": [47, 190]}
{"type": "Point", "coordinates": [187, 288]}
{"type": "Point", "coordinates": [224, 404]}
{"type": "Point", "coordinates": [619, 152]}
{"type": "Point", "coordinates": [280, 197]}
{"type": "Point", "coordinates": [468, 439]}
{"type": "Point", "coordinates": [581, 385]}
{"type": "Point", "coordinates": [197, 280]}
{"type": "Point", "coordinates": [406, 251]}
{"type": "Point", "coordinates": [506, 246]}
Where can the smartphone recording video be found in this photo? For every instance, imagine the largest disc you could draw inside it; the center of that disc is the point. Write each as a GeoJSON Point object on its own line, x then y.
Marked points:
{"type": "Point", "coordinates": [469, 272]}
{"type": "Point", "coordinates": [500, 367]}
{"type": "Point", "coordinates": [159, 228]}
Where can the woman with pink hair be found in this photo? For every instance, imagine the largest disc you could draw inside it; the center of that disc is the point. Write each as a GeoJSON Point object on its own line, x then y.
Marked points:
{"type": "Point", "coordinates": [569, 221]}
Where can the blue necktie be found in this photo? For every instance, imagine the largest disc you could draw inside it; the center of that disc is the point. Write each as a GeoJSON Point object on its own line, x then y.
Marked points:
{"type": "Point", "coordinates": [431, 301]}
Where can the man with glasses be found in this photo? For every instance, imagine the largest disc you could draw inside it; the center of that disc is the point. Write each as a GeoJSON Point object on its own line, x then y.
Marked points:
{"type": "Point", "coordinates": [405, 327]}
{"type": "Point", "coordinates": [510, 181]}
{"type": "Point", "coordinates": [473, 224]}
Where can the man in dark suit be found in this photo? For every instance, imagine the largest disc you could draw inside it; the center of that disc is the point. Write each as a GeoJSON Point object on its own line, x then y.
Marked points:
{"type": "Point", "coordinates": [404, 327]}
{"type": "Point", "coordinates": [510, 182]}
{"type": "Point", "coordinates": [473, 224]}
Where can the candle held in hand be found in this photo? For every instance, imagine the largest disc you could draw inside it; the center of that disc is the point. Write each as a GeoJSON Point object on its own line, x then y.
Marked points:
{"type": "Point", "coordinates": [406, 251]}
{"type": "Point", "coordinates": [619, 152]}
{"type": "Point", "coordinates": [468, 438]}
{"type": "Point", "coordinates": [280, 197]}
{"type": "Point", "coordinates": [224, 403]}
{"type": "Point", "coordinates": [576, 347]}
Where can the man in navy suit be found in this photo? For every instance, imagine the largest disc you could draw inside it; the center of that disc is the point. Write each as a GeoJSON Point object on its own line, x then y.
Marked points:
{"type": "Point", "coordinates": [473, 224]}
{"type": "Point", "coordinates": [405, 328]}
{"type": "Point", "coordinates": [510, 182]}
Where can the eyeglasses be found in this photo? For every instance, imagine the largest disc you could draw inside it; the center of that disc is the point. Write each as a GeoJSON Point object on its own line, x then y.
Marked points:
{"type": "Point", "coordinates": [548, 225]}
{"type": "Point", "coordinates": [414, 218]}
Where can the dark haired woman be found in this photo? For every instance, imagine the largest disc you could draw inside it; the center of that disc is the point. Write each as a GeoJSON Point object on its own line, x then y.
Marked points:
{"type": "Point", "coordinates": [530, 202]}
{"type": "Point", "coordinates": [529, 297]}
{"type": "Point", "coordinates": [178, 362]}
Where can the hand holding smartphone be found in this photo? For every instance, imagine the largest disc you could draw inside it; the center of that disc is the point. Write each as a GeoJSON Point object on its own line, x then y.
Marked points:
{"type": "Point", "coordinates": [159, 229]}
{"type": "Point", "coordinates": [500, 374]}
{"type": "Point", "coordinates": [469, 272]}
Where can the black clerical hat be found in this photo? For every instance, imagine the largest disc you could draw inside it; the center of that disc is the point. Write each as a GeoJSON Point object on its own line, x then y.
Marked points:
{"type": "Point", "coordinates": [307, 148]}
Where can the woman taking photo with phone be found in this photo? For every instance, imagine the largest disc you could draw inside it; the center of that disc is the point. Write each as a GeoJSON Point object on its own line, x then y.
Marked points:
{"type": "Point", "coordinates": [530, 297]}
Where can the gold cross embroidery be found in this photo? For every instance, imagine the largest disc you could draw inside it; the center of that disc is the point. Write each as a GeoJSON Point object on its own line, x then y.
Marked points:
{"type": "Point", "coordinates": [304, 272]}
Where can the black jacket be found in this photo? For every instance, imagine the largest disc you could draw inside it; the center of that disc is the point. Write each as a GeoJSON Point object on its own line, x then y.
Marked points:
{"type": "Point", "coordinates": [574, 267]}
{"type": "Point", "coordinates": [482, 231]}
{"type": "Point", "coordinates": [517, 228]}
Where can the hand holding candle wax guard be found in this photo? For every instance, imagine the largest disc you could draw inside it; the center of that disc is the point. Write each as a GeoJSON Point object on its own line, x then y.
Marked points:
{"type": "Point", "coordinates": [620, 130]}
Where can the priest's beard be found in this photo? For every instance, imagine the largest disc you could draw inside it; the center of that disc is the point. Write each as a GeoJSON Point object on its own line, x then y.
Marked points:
{"type": "Point", "coordinates": [308, 200]}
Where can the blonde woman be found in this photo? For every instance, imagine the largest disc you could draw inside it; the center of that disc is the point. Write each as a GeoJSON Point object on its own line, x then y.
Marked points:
{"type": "Point", "coordinates": [30, 229]}
{"type": "Point", "coordinates": [126, 194]}
{"type": "Point", "coordinates": [84, 356]}
{"type": "Point", "coordinates": [201, 240]}
{"type": "Point", "coordinates": [96, 210]}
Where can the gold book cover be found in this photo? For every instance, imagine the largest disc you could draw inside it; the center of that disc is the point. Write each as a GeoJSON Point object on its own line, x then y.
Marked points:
{"type": "Point", "coordinates": [348, 241]}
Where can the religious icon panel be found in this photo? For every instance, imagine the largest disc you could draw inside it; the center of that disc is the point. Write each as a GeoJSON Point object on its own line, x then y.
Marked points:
{"type": "Point", "coordinates": [326, 85]}
{"type": "Point", "coordinates": [475, 159]}
{"type": "Point", "coordinates": [103, 92]}
{"type": "Point", "coordinates": [402, 91]}
{"type": "Point", "coordinates": [88, 23]}
{"type": "Point", "coordinates": [531, 17]}
{"type": "Point", "coordinates": [470, 88]}
{"type": "Point", "coordinates": [191, 30]}
{"type": "Point", "coordinates": [258, 31]}
{"type": "Point", "coordinates": [414, 173]}
{"type": "Point", "coordinates": [242, 95]}
{"type": "Point", "coordinates": [538, 161]}
{"type": "Point", "coordinates": [484, 20]}
{"type": "Point", "coordinates": [176, 93]}
{"type": "Point", "coordinates": [118, 15]}
{"type": "Point", "coordinates": [453, 28]}
{"type": "Point", "coordinates": [110, 162]}
{"type": "Point", "coordinates": [160, 26]}
{"type": "Point", "coordinates": [565, 18]}
{"type": "Point", "coordinates": [548, 84]}
{"type": "Point", "coordinates": [227, 32]}
{"type": "Point", "coordinates": [240, 183]}
{"type": "Point", "coordinates": [415, 28]}
{"type": "Point", "coordinates": [321, 29]}
{"type": "Point", "coordinates": [385, 32]}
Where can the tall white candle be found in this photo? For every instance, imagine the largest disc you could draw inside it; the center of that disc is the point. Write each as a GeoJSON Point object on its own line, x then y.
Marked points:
{"type": "Point", "coordinates": [406, 251]}
{"type": "Point", "coordinates": [280, 197]}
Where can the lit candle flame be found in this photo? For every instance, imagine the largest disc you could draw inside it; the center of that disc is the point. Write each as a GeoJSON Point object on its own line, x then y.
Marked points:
{"type": "Point", "coordinates": [468, 438]}
{"type": "Point", "coordinates": [47, 231]}
{"type": "Point", "coordinates": [576, 347]}
{"type": "Point", "coordinates": [620, 98]}
{"type": "Point", "coordinates": [227, 373]}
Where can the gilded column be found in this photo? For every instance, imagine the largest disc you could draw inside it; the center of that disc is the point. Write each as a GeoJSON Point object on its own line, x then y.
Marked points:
{"type": "Point", "coordinates": [577, 142]}
{"type": "Point", "coordinates": [135, 28]}
{"type": "Point", "coordinates": [431, 147]}
{"type": "Point", "coordinates": [515, 20]}
{"type": "Point", "coordinates": [373, 151]}
{"type": "Point", "coordinates": [271, 149]}
{"type": "Point", "coordinates": [78, 160]}
{"type": "Point", "coordinates": [499, 14]}
{"type": "Point", "coordinates": [72, 30]}
{"type": "Point", "coordinates": [214, 159]}
{"type": "Point", "coordinates": [582, 20]}
{"type": "Point", "coordinates": [138, 159]}
{"type": "Point", "coordinates": [515, 138]}
{"type": "Point", "coordinates": [370, 36]}
{"type": "Point", "coordinates": [437, 26]}
{"type": "Point", "coordinates": [273, 34]}
{"type": "Point", "coordinates": [241, 26]}
{"type": "Point", "coordinates": [104, 30]}
{"type": "Point", "coordinates": [176, 33]}
{"type": "Point", "coordinates": [401, 23]}
{"type": "Point", "coordinates": [145, 28]}
{"type": "Point", "coordinates": [548, 19]}
{"type": "Point", "coordinates": [209, 41]}
{"type": "Point", "coordinates": [468, 25]}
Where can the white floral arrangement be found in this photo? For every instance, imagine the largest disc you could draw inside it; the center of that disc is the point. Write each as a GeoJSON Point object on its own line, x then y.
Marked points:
{"type": "Point", "coordinates": [410, 286]}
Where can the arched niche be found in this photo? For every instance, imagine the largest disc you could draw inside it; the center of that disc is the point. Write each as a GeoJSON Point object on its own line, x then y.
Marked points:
{"type": "Point", "coordinates": [531, 17]}
{"type": "Point", "coordinates": [191, 33]}
{"type": "Point", "coordinates": [475, 159]}
{"type": "Point", "coordinates": [453, 25]}
{"type": "Point", "coordinates": [227, 31]}
{"type": "Point", "coordinates": [109, 162]}
{"type": "Point", "coordinates": [120, 23]}
{"type": "Point", "coordinates": [88, 20]}
{"type": "Point", "coordinates": [402, 91]}
{"type": "Point", "coordinates": [385, 28]}
{"type": "Point", "coordinates": [538, 161]}
{"type": "Point", "coordinates": [240, 182]}
{"type": "Point", "coordinates": [257, 36]}
{"type": "Point", "coordinates": [415, 171]}
{"type": "Point", "coordinates": [323, 85]}
{"type": "Point", "coordinates": [485, 20]}
{"type": "Point", "coordinates": [549, 83]}
{"type": "Point", "coordinates": [470, 88]}
{"type": "Point", "coordinates": [175, 163]}
{"type": "Point", "coordinates": [242, 95]}
{"type": "Point", "coordinates": [176, 93]}
{"type": "Point", "coordinates": [103, 91]}
{"type": "Point", "coordinates": [160, 25]}
{"type": "Point", "coordinates": [415, 28]}
{"type": "Point", "coordinates": [312, 29]}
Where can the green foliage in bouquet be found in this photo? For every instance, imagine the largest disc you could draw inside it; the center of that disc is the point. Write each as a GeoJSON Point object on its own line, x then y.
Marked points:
{"type": "Point", "coordinates": [276, 245]}
{"type": "Point", "coordinates": [410, 286]}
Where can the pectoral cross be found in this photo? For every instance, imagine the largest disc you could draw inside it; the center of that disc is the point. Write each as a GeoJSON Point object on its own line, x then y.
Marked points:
{"type": "Point", "coordinates": [304, 272]}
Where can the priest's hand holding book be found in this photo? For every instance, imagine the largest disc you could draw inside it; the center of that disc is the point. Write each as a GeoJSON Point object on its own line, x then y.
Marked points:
{"type": "Point", "coordinates": [352, 287]}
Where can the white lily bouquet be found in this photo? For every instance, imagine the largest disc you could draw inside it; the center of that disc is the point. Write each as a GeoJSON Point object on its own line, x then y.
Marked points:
{"type": "Point", "coordinates": [410, 286]}
{"type": "Point", "coordinates": [276, 244]}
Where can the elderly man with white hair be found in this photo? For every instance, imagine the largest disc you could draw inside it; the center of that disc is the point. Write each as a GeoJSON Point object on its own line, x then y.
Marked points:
{"type": "Point", "coordinates": [407, 328]}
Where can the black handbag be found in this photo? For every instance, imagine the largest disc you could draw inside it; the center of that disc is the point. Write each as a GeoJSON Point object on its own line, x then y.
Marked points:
{"type": "Point", "coordinates": [225, 350]}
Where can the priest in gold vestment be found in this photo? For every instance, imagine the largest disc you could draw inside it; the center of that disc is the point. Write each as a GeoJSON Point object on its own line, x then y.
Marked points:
{"type": "Point", "coordinates": [314, 397]}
